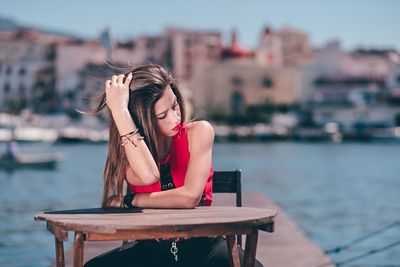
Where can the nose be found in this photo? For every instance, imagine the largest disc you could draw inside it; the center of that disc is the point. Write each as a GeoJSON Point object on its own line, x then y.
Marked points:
{"type": "Point", "coordinates": [177, 115]}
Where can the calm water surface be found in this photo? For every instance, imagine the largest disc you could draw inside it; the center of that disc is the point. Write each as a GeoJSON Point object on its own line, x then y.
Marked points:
{"type": "Point", "coordinates": [335, 193]}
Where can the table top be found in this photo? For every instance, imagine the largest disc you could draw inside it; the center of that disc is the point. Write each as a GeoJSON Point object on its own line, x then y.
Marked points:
{"type": "Point", "coordinates": [112, 220]}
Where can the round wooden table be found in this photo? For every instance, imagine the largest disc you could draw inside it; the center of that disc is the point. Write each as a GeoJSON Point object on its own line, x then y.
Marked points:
{"type": "Point", "coordinates": [135, 224]}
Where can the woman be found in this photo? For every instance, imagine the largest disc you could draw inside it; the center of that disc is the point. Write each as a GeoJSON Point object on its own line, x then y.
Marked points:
{"type": "Point", "coordinates": [165, 161]}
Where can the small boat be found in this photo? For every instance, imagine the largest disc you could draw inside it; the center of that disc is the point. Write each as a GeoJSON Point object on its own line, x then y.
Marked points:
{"type": "Point", "coordinates": [36, 161]}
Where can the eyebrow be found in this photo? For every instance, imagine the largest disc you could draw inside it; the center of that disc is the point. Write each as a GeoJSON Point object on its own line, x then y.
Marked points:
{"type": "Point", "coordinates": [161, 113]}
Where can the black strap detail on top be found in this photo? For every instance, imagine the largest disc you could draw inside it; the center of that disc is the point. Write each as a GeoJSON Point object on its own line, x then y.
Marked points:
{"type": "Point", "coordinates": [166, 180]}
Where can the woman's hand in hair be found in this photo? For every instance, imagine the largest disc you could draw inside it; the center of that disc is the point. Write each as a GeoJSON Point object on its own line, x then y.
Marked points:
{"type": "Point", "coordinates": [117, 93]}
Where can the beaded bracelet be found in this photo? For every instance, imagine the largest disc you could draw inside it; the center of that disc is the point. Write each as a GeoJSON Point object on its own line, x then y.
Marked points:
{"type": "Point", "coordinates": [128, 140]}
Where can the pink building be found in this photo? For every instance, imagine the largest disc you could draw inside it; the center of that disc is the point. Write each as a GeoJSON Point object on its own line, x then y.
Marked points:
{"type": "Point", "coordinates": [190, 47]}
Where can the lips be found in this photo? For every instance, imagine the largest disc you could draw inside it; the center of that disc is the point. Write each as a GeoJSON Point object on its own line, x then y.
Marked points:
{"type": "Point", "coordinates": [177, 127]}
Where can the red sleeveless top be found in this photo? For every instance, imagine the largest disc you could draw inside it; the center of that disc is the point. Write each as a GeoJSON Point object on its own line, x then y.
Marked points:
{"type": "Point", "coordinates": [173, 170]}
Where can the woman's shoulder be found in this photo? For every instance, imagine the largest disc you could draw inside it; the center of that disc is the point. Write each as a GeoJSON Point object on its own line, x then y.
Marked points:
{"type": "Point", "coordinates": [199, 126]}
{"type": "Point", "coordinates": [200, 131]}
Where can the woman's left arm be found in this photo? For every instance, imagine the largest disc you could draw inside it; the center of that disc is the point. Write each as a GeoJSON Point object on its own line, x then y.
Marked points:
{"type": "Point", "coordinates": [200, 139]}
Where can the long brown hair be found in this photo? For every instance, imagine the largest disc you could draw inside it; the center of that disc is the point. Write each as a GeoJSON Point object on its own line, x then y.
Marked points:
{"type": "Point", "coordinates": [146, 88]}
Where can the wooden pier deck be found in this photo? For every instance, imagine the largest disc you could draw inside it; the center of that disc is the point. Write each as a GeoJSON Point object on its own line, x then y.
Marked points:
{"type": "Point", "coordinates": [287, 246]}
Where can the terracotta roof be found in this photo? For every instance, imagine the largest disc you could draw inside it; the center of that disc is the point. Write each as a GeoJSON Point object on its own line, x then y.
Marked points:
{"type": "Point", "coordinates": [6, 35]}
{"type": "Point", "coordinates": [236, 51]}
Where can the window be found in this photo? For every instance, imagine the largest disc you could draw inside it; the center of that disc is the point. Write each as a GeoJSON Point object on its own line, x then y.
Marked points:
{"type": "Point", "coordinates": [9, 70]}
{"type": "Point", "coordinates": [236, 81]}
{"type": "Point", "coordinates": [266, 82]}
{"type": "Point", "coordinates": [22, 89]}
{"type": "Point", "coordinates": [237, 101]}
{"type": "Point", "coordinates": [7, 87]}
{"type": "Point", "coordinates": [22, 71]}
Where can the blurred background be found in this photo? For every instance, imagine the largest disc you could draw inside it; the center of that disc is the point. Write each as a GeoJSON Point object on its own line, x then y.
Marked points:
{"type": "Point", "coordinates": [304, 97]}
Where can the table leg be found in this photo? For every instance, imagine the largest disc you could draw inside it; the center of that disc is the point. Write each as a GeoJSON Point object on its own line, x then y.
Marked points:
{"type": "Point", "coordinates": [78, 249]}
{"type": "Point", "coordinates": [250, 249]}
{"type": "Point", "coordinates": [59, 253]}
{"type": "Point", "coordinates": [232, 251]}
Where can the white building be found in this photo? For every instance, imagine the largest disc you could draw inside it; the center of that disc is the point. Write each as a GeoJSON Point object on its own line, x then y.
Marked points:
{"type": "Point", "coordinates": [21, 56]}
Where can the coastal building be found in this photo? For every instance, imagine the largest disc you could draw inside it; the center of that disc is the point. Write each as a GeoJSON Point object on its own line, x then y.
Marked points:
{"type": "Point", "coordinates": [175, 48]}
{"type": "Point", "coordinates": [240, 79]}
{"type": "Point", "coordinates": [296, 47]}
{"type": "Point", "coordinates": [270, 52]}
{"type": "Point", "coordinates": [337, 77]}
{"type": "Point", "coordinates": [144, 49]}
{"type": "Point", "coordinates": [82, 66]}
{"type": "Point", "coordinates": [23, 54]}
{"type": "Point", "coordinates": [352, 88]}
{"type": "Point", "coordinates": [47, 73]}
{"type": "Point", "coordinates": [190, 47]}
{"type": "Point", "coordinates": [70, 60]}
{"type": "Point", "coordinates": [286, 47]}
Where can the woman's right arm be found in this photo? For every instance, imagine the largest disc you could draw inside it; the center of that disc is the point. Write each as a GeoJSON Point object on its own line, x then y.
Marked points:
{"type": "Point", "coordinates": [142, 167]}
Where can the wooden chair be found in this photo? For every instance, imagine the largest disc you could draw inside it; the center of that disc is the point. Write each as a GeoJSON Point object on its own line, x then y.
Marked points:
{"type": "Point", "coordinates": [229, 182]}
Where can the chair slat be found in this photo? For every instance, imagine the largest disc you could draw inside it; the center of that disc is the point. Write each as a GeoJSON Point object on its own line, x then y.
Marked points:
{"type": "Point", "coordinates": [229, 182]}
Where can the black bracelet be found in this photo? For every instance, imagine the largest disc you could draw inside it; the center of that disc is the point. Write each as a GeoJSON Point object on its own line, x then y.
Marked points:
{"type": "Point", "coordinates": [128, 200]}
{"type": "Point", "coordinates": [128, 134]}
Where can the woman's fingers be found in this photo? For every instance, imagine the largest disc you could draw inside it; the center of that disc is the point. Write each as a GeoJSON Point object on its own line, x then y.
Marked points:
{"type": "Point", "coordinates": [120, 79]}
{"type": "Point", "coordinates": [117, 93]}
{"type": "Point", "coordinates": [128, 79]}
{"type": "Point", "coordinates": [114, 79]}
{"type": "Point", "coordinates": [108, 83]}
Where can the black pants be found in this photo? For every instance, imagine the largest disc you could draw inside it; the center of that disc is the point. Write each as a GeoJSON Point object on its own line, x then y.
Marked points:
{"type": "Point", "coordinates": [200, 251]}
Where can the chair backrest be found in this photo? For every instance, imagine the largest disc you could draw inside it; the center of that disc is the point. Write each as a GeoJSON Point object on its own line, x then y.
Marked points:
{"type": "Point", "coordinates": [229, 182]}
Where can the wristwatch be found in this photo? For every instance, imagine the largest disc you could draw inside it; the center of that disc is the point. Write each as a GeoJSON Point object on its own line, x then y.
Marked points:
{"type": "Point", "coordinates": [128, 200]}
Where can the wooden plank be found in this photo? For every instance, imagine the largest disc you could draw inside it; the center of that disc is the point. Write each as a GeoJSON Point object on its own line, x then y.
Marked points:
{"type": "Point", "coordinates": [59, 233]}
{"type": "Point", "coordinates": [78, 249]}
{"type": "Point", "coordinates": [59, 253]}
{"type": "Point", "coordinates": [170, 232]}
{"type": "Point", "coordinates": [232, 251]}
{"type": "Point", "coordinates": [177, 216]}
{"type": "Point", "coordinates": [270, 227]}
{"type": "Point", "coordinates": [251, 246]}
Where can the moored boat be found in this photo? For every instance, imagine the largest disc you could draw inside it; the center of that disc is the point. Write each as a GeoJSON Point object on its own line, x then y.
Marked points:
{"type": "Point", "coordinates": [39, 161]}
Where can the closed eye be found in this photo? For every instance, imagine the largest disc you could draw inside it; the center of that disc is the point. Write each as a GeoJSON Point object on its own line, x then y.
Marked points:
{"type": "Point", "coordinates": [162, 117]}
{"type": "Point", "coordinates": [174, 107]}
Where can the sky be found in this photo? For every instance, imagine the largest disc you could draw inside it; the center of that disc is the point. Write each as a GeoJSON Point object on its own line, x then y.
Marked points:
{"type": "Point", "coordinates": [355, 23]}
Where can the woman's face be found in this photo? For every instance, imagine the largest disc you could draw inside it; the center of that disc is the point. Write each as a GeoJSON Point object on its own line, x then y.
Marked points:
{"type": "Point", "coordinates": [168, 114]}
